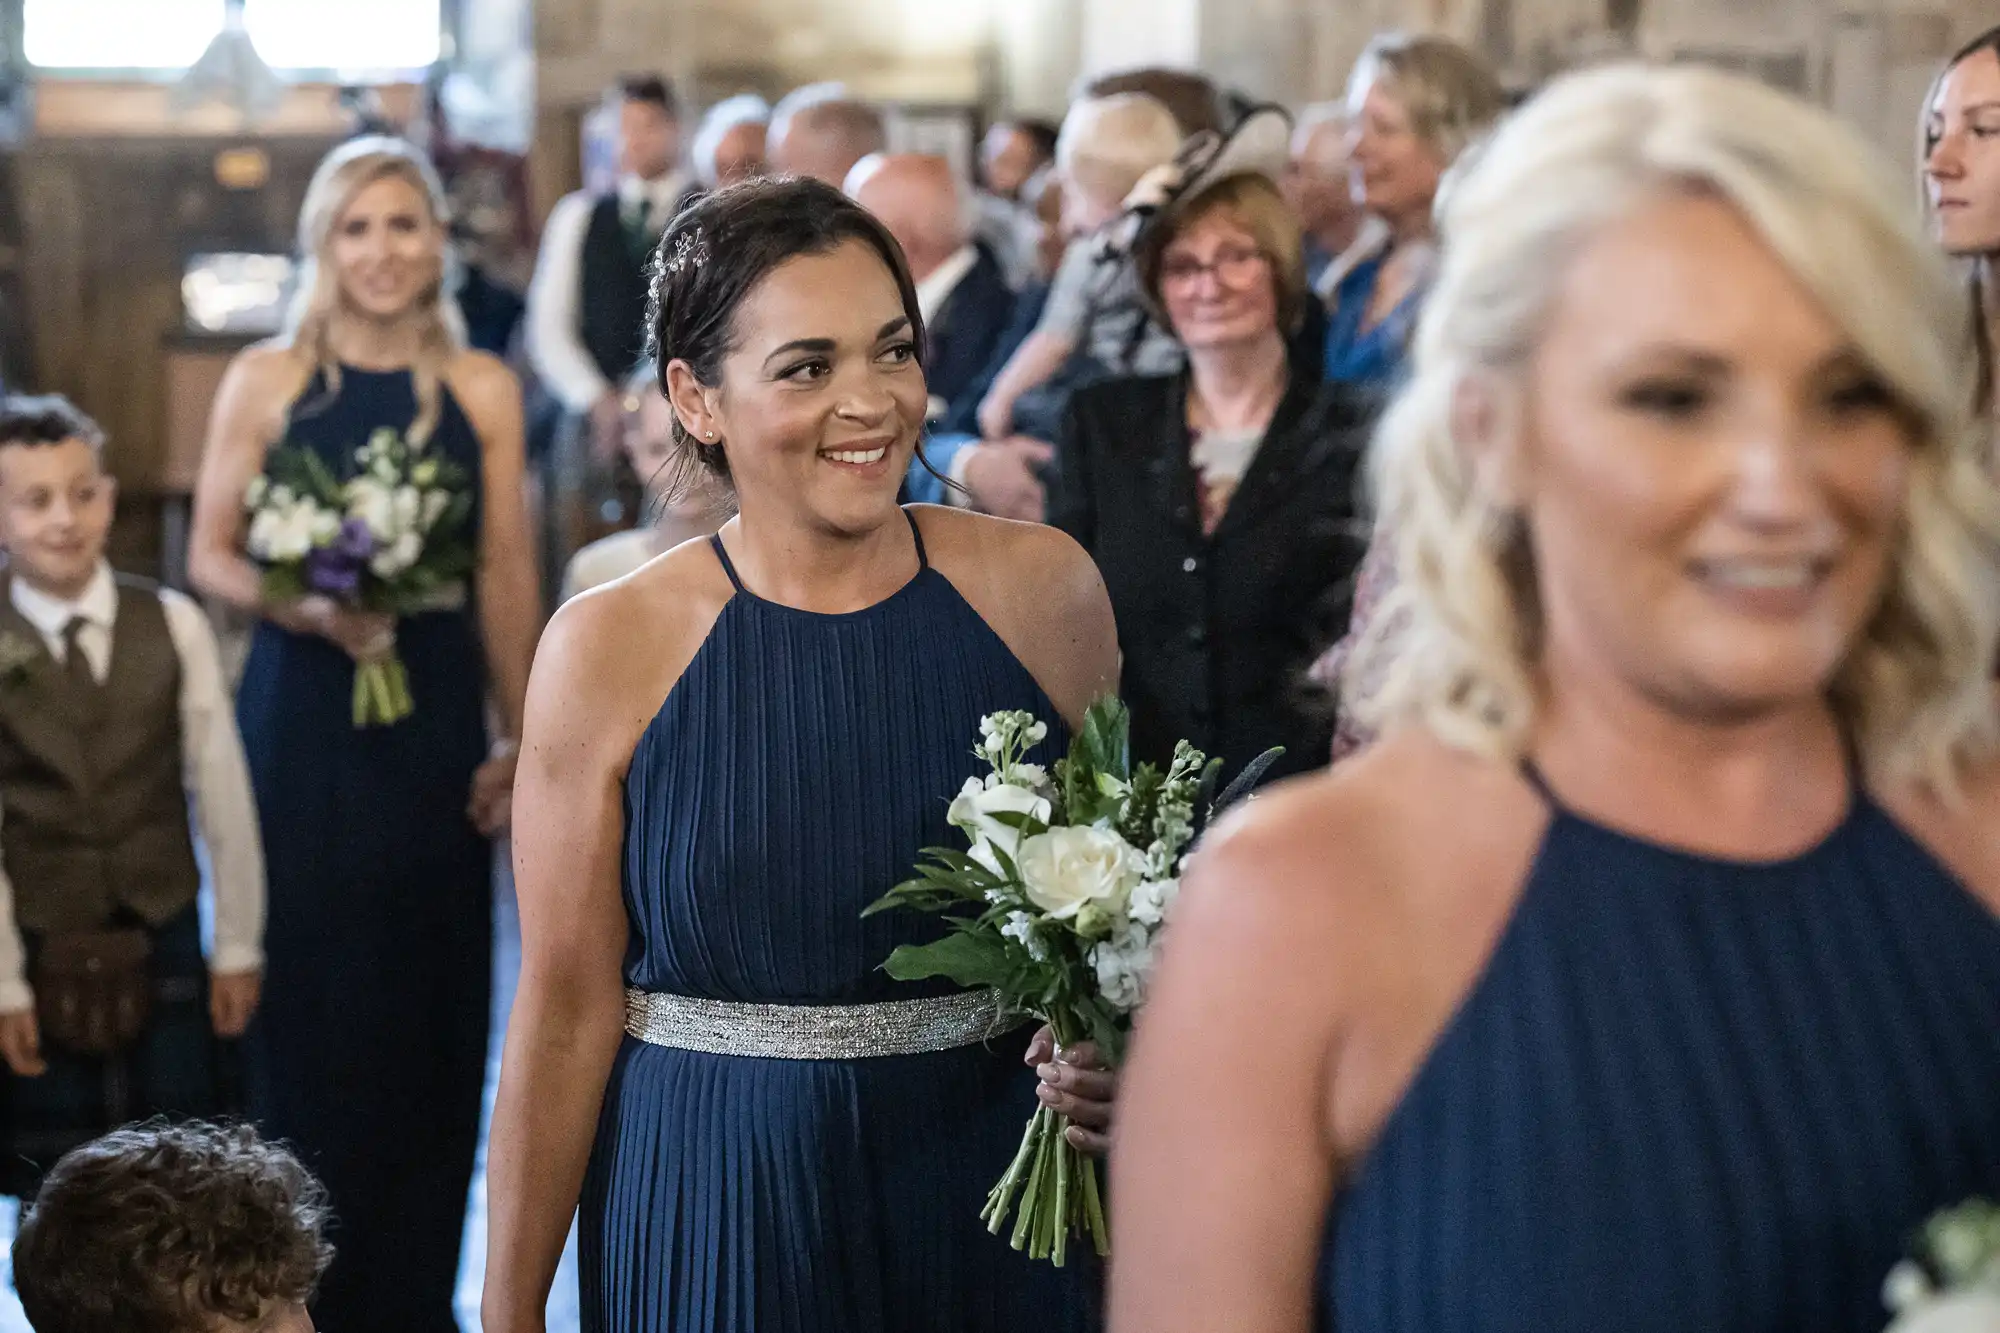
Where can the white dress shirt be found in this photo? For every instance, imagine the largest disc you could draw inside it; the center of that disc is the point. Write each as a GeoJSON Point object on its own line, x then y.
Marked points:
{"type": "Point", "coordinates": [942, 281]}
{"type": "Point", "coordinates": [1370, 241]}
{"type": "Point", "coordinates": [222, 812]}
{"type": "Point", "coordinates": [555, 296]}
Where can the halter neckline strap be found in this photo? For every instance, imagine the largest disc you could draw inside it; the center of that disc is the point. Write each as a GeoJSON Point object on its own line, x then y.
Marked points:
{"type": "Point", "coordinates": [736, 580]}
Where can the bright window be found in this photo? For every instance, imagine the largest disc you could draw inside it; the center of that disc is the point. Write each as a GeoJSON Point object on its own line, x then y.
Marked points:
{"type": "Point", "coordinates": [120, 34]}
{"type": "Point", "coordinates": [342, 34]}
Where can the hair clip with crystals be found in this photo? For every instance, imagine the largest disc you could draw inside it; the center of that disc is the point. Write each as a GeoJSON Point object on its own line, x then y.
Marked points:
{"type": "Point", "coordinates": [690, 252]}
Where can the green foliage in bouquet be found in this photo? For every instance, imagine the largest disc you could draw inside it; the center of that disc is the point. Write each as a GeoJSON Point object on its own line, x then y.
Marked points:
{"type": "Point", "coordinates": [1056, 907]}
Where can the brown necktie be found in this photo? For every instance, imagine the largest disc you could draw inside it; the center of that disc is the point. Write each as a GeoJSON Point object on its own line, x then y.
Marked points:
{"type": "Point", "coordinates": [76, 665]}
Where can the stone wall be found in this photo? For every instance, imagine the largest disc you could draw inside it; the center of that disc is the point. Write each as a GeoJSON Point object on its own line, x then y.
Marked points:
{"type": "Point", "coordinates": [1871, 59]}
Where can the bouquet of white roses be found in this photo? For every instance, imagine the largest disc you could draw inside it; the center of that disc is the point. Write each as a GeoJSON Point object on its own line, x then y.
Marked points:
{"type": "Point", "coordinates": [1953, 1283]}
{"type": "Point", "coordinates": [1057, 907]}
{"type": "Point", "coordinates": [391, 538]}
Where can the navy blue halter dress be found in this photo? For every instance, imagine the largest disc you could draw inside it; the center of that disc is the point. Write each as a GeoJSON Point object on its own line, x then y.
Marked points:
{"type": "Point", "coordinates": [369, 1051]}
{"type": "Point", "coordinates": [1687, 1096]}
{"type": "Point", "coordinates": [792, 775]}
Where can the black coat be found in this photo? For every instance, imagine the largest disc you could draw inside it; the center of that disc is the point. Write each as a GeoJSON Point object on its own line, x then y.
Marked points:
{"type": "Point", "coordinates": [962, 336]}
{"type": "Point", "coordinates": [1218, 631]}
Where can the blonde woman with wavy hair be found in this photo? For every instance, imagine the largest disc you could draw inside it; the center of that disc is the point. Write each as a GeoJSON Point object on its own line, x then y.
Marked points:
{"type": "Point", "coordinates": [1960, 141]}
{"type": "Point", "coordinates": [369, 1053]}
{"type": "Point", "coordinates": [1646, 974]}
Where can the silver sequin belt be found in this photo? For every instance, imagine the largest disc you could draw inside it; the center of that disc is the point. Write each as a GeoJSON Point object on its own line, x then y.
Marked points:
{"type": "Point", "coordinates": [816, 1031]}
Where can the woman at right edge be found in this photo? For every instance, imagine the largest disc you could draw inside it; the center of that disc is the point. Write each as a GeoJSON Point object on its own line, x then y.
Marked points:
{"type": "Point", "coordinates": [1645, 974]}
{"type": "Point", "coordinates": [728, 755]}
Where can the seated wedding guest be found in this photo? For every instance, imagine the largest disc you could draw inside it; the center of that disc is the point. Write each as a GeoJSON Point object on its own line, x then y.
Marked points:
{"type": "Point", "coordinates": [1013, 153]}
{"type": "Point", "coordinates": [821, 131]}
{"type": "Point", "coordinates": [1002, 479]}
{"type": "Point", "coordinates": [173, 1228]}
{"type": "Point", "coordinates": [1419, 103]}
{"type": "Point", "coordinates": [729, 143]}
{"type": "Point", "coordinates": [1219, 502]}
{"type": "Point", "coordinates": [118, 749]}
{"type": "Point", "coordinates": [1646, 973]}
{"type": "Point", "coordinates": [1192, 97]}
{"type": "Point", "coordinates": [678, 508]}
{"type": "Point", "coordinates": [1015, 158]}
{"type": "Point", "coordinates": [1961, 135]}
{"type": "Point", "coordinates": [966, 302]}
{"type": "Point", "coordinates": [1319, 185]}
{"type": "Point", "coordinates": [1094, 323]}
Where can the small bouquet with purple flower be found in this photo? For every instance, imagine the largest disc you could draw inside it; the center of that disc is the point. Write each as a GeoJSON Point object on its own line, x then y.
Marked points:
{"type": "Point", "coordinates": [392, 538]}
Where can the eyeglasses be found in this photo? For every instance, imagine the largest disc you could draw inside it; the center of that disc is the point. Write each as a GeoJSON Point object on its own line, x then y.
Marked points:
{"type": "Point", "coordinates": [1231, 268]}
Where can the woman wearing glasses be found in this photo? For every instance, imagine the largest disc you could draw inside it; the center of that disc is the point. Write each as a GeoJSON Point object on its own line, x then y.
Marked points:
{"type": "Point", "coordinates": [1218, 501]}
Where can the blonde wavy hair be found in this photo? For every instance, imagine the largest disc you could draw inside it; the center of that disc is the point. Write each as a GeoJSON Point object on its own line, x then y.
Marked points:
{"type": "Point", "coordinates": [343, 175]}
{"type": "Point", "coordinates": [1456, 641]}
{"type": "Point", "coordinates": [1450, 93]}
{"type": "Point", "coordinates": [1984, 372]}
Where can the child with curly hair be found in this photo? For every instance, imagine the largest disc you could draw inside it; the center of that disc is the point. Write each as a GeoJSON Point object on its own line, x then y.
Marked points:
{"type": "Point", "coordinates": [173, 1228]}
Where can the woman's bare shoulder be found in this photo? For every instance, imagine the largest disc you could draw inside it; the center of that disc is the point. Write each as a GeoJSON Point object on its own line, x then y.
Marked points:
{"type": "Point", "coordinates": [1039, 591]}
{"type": "Point", "coordinates": [1961, 828]}
{"type": "Point", "coordinates": [1407, 811]}
{"type": "Point", "coordinates": [480, 374]}
{"type": "Point", "coordinates": [271, 368]}
{"type": "Point", "coordinates": [615, 652]}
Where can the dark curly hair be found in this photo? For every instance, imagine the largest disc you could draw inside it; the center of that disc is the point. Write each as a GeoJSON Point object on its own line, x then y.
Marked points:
{"type": "Point", "coordinates": [727, 243]}
{"type": "Point", "coordinates": [165, 1228]}
{"type": "Point", "coordinates": [46, 419]}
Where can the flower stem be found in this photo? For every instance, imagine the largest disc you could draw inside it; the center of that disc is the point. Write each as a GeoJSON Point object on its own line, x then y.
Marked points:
{"type": "Point", "coordinates": [1093, 1208]}
{"type": "Point", "coordinates": [1002, 1197]}
{"type": "Point", "coordinates": [1024, 1222]}
{"type": "Point", "coordinates": [1059, 1218]}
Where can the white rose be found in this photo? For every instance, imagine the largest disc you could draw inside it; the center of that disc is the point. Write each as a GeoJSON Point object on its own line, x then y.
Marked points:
{"type": "Point", "coordinates": [397, 556]}
{"type": "Point", "coordinates": [1067, 867]}
{"type": "Point", "coordinates": [372, 505]}
{"type": "Point", "coordinates": [1967, 1312]}
{"type": "Point", "coordinates": [292, 538]}
{"type": "Point", "coordinates": [264, 528]}
{"type": "Point", "coordinates": [435, 503]}
{"type": "Point", "coordinates": [974, 809]}
{"type": "Point", "coordinates": [408, 503]}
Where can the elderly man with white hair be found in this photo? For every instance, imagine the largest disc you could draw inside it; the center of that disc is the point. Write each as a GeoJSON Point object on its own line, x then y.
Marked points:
{"type": "Point", "coordinates": [822, 131]}
{"type": "Point", "coordinates": [962, 290]}
{"type": "Point", "coordinates": [729, 145]}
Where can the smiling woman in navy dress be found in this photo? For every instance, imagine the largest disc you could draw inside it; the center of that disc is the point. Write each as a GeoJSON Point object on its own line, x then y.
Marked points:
{"type": "Point", "coordinates": [729, 755]}
{"type": "Point", "coordinates": [1646, 974]}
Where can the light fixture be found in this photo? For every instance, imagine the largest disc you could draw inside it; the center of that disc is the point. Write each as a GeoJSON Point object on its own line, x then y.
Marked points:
{"type": "Point", "coordinates": [231, 72]}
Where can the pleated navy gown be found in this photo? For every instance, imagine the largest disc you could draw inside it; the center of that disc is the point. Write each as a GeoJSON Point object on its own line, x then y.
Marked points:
{"type": "Point", "coordinates": [369, 1051]}
{"type": "Point", "coordinates": [1688, 1096]}
{"type": "Point", "coordinates": [791, 777]}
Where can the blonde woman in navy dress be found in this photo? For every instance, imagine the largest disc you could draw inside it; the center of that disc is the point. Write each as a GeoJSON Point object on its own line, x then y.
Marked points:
{"type": "Point", "coordinates": [370, 1051]}
{"type": "Point", "coordinates": [1645, 975]}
